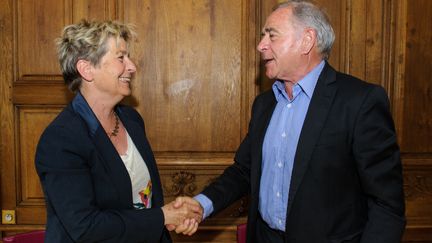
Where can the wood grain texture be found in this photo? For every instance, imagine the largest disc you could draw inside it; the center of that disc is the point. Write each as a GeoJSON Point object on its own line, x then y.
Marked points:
{"type": "Point", "coordinates": [198, 73]}
{"type": "Point", "coordinates": [35, 34]}
{"type": "Point", "coordinates": [417, 92]}
{"type": "Point", "coordinates": [189, 78]}
{"type": "Point", "coordinates": [32, 122]}
{"type": "Point", "coordinates": [7, 156]}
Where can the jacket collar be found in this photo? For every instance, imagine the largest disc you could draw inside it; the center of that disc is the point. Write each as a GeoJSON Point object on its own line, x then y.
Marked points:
{"type": "Point", "coordinates": [80, 105]}
{"type": "Point", "coordinates": [316, 116]}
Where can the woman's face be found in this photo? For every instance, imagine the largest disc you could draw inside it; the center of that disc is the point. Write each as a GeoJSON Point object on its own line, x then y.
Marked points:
{"type": "Point", "coordinates": [113, 74]}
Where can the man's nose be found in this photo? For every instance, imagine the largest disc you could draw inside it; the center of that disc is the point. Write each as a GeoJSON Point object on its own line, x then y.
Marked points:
{"type": "Point", "coordinates": [263, 44]}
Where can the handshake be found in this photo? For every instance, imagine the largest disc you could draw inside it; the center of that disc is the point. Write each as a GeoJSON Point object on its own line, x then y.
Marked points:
{"type": "Point", "coordinates": [183, 215]}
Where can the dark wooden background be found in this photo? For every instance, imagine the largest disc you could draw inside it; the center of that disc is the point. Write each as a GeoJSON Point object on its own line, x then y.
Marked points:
{"type": "Point", "coordinates": [198, 72]}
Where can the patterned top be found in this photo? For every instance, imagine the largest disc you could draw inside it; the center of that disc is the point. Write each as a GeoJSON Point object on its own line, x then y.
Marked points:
{"type": "Point", "coordinates": [139, 175]}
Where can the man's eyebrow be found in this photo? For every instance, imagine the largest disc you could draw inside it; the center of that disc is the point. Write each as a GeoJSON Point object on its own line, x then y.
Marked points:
{"type": "Point", "coordinates": [269, 29]}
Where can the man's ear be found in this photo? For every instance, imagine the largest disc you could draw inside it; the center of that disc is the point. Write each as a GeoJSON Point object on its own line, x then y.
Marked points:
{"type": "Point", "coordinates": [85, 68]}
{"type": "Point", "coordinates": [309, 40]}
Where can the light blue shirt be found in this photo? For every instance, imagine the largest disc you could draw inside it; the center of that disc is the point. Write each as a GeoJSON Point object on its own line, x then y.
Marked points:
{"type": "Point", "coordinates": [280, 144]}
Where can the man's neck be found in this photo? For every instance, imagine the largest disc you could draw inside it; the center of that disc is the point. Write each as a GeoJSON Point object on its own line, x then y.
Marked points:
{"type": "Point", "coordinates": [303, 70]}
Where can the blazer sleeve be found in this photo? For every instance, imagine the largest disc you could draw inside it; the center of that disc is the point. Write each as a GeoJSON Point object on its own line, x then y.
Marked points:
{"type": "Point", "coordinates": [235, 181]}
{"type": "Point", "coordinates": [65, 173]}
{"type": "Point", "coordinates": [378, 160]}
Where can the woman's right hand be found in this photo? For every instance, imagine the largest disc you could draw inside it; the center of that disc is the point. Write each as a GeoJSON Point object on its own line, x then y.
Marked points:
{"type": "Point", "coordinates": [176, 212]}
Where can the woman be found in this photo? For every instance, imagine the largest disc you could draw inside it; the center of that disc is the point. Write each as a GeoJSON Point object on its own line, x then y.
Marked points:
{"type": "Point", "coordinates": [95, 164]}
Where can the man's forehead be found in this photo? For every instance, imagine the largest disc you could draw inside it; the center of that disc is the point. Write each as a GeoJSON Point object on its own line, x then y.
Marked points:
{"type": "Point", "coordinates": [277, 18]}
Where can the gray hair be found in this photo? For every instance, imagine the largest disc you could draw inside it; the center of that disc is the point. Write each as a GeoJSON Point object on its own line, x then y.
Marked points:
{"type": "Point", "coordinates": [87, 41]}
{"type": "Point", "coordinates": [311, 16]}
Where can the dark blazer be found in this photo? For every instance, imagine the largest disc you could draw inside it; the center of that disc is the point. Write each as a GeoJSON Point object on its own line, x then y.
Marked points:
{"type": "Point", "coordinates": [87, 188]}
{"type": "Point", "coordinates": [347, 179]}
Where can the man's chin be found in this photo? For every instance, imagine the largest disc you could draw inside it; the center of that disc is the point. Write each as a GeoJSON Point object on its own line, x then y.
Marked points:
{"type": "Point", "coordinates": [270, 75]}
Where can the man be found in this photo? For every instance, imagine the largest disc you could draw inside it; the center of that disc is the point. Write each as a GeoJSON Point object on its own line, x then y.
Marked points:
{"type": "Point", "coordinates": [320, 160]}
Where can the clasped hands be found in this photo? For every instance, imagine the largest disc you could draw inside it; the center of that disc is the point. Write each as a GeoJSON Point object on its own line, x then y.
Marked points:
{"type": "Point", "coordinates": [183, 215]}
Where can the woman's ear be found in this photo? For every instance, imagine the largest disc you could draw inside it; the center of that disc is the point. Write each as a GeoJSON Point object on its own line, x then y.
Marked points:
{"type": "Point", "coordinates": [84, 68]}
{"type": "Point", "coordinates": [309, 40]}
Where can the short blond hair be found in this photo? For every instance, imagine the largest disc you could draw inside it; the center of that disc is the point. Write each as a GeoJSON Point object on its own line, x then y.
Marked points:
{"type": "Point", "coordinates": [87, 41]}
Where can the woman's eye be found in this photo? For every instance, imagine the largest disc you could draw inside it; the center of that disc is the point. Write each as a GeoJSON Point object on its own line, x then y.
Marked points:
{"type": "Point", "coordinates": [121, 58]}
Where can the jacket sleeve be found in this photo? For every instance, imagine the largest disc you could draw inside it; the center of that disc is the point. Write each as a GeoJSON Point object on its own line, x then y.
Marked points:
{"type": "Point", "coordinates": [65, 173]}
{"type": "Point", "coordinates": [233, 183]}
{"type": "Point", "coordinates": [235, 180]}
{"type": "Point", "coordinates": [378, 160]}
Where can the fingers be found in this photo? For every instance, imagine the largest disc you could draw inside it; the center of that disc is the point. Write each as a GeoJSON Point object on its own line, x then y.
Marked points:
{"type": "Point", "coordinates": [178, 202]}
{"type": "Point", "coordinates": [170, 227]}
{"type": "Point", "coordinates": [189, 227]}
{"type": "Point", "coordinates": [193, 227]}
{"type": "Point", "coordinates": [181, 201]}
{"type": "Point", "coordinates": [183, 227]}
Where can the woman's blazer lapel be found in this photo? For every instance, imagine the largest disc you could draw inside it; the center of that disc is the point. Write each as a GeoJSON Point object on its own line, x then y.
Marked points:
{"type": "Point", "coordinates": [114, 166]}
{"type": "Point", "coordinates": [108, 155]}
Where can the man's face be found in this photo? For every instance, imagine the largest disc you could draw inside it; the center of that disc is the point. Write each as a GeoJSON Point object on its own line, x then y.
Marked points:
{"type": "Point", "coordinates": [280, 45]}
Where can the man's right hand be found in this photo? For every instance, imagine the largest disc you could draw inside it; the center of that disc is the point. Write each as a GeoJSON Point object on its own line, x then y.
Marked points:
{"type": "Point", "coordinates": [192, 218]}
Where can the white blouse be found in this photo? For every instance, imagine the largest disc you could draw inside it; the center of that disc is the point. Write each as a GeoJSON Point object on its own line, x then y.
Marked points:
{"type": "Point", "coordinates": [139, 175]}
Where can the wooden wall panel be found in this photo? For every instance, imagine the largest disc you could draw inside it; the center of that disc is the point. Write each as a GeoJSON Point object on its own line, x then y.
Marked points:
{"type": "Point", "coordinates": [418, 191]}
{"type": "Point", "coordinates": [36, 31]}
{"type": "Point", "coordinates": [198, 72]}
{"type": "Point", "coordinates": [417, 122]}
{"type": "Point", "coordinates": [418, 196]}
{"type": "Point", "coordinates": [37, 26]}
{"type": "Point", "coordinates": [188, 80]}
{"type": "Point", "coordinates": [7, 151]}
{"type": "Point", "coordinates": [93, 9]}
{"type": "Point", "coordinates": [413, 93]}
{"type": "Point", "coordinates": [31, 121]}
{"type": "Point", "coordinates": [368, 50]}
{"type": "Point", "coordinates": [339, 17]}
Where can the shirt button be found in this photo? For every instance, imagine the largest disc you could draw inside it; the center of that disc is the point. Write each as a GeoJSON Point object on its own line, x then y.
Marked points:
{"type": "Point", "coordinates": [283, 134]}
{"type": "Point", "coordinates": [289, 105]}
{"type": "Point", "coordinates": [277, 194]}
{"type": "Point", "coordinates": [280, 164]}
{"type": "Point", "coordinates": [280, 222]}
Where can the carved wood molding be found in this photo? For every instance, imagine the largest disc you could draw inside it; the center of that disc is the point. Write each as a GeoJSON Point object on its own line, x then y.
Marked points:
{"type": "Point", "coordinates": [417, 186]}
{"type": "Point", "coordinates": [182, 183]}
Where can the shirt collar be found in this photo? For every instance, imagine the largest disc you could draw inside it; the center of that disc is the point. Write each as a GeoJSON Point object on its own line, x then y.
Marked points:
{"type": "Point", "coordinates": [307, 83]}
{"type": "Point", "coordinates": [81, 107]}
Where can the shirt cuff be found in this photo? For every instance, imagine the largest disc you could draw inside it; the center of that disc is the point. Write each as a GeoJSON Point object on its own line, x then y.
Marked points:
{"type": "Point", "coordinates": [206, 204]}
